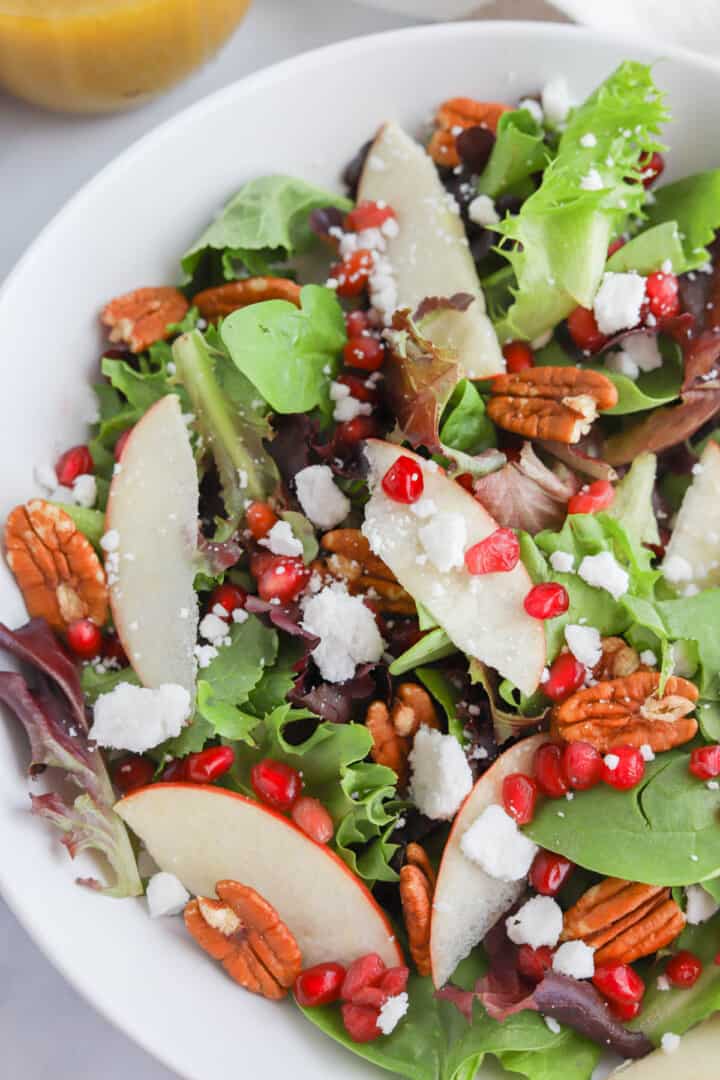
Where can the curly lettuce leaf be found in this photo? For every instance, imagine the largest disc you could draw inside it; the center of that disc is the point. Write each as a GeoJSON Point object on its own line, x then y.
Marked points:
{"type": "Point", "coordinates": [693, 204]}
{"type": "Point", "coordinates": [518, 152]}
{"type": "Point", "coordinates": [557, 243]}
{"type": "Point", "coordinates": [647, 251]}
{"type": "Point", "coordinates": [94, 683]}
{"type": "Point", "coordinates": [632, 506]}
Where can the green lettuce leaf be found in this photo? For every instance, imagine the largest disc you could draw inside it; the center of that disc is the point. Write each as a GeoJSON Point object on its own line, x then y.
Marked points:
{"type": "Point", "coordinates": [91, 523]}
{"type": "Point", "coordinates": [433, 646]}
{"type": "Point", "coordinates": [239, 666]}
{"type": "Point", "coordinates": [519, 151]}
{"type": "Point", "coordinates": [465, 425]}
{"type": "Point", "coordinates": [225, 720]}
{"type": "Point", "coordinates": [647, 251]}
{"type": "Point", "coordinates": [447, 694]}
{"type": "Point", "coordinates": [694, 204]}
{"type": "Point", "coordinates": [697, 618]}
{"type": "Point", "coordinates": [632, 506]}
{"type": "Point", "coordinates": [95, 683]}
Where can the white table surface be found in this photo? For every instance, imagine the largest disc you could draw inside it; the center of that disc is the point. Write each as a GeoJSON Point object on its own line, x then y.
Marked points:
{"type": "Point", "coordinates": [46, 1029]}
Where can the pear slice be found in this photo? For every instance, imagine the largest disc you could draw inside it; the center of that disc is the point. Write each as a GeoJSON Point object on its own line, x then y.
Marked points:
{"type": "Point", "coordinates": [206, 834]}
{"type": "Point", "coordinates": [696, 536]}
{"type": "Point", "coordinates": [152, 518]}
{"type": "Point", "coordinates": [696, 1056]}
{"type": "Point", "coordinates": [430, 254]}
{"type": "Point", "coordinates": [467, 901]}
{"type": "Point", "coordinates": [483, 615]}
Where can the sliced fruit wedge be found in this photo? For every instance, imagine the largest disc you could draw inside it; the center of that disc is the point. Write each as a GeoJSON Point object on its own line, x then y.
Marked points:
{"type": "Point", "coordinates": [696, 537]}
{"type": "Point", "coordinates": [430, 254]}
{"type": "Point", "coordinates": [467, 901]}
{"type": "Point", "coordinates": [696, 1056]}
{"type": "Point", "coordinates": [205, 834]}
{"type": "Point", "coordinates": [482, 614]}
{"type": "Point", "coordinates": [151, 533]}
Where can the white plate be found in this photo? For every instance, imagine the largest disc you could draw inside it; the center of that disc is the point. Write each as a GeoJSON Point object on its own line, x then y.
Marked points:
{"type": "Point", "coordinates": [127, 228]}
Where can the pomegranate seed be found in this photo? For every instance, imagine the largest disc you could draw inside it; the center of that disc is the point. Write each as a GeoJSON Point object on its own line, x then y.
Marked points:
{"type": "Point", "coordinates": [662, 291]}
{"type": "Point", "coordinates": [547, 600]}
{"type": "Point", "coordinates": [549, 872]}
{"type": "Point", "coordinates": [73, 463]}
{"type": "Point", "coordinates": [354, 431]}
{"type": "Point", "coordinates": [592, 498]}
{"type": "Point", "coordinates": [585, 331]}
{"type": "Point", "coordinates": [582, 765]}
{"type": "Point", "coordinates": [403, 482]}
{"type": "Point", "coordinates": [394, 981]}
{"type": "Point", "coordinates": [684, 969]}
{"type": "Point", "coordinates": [628, 771]}
{"type": "Point", "coordinates": [372, 996]}
{"type": "Point", "coordinates": [496, 554]}
{"type": "Point", "coordinates": [652, 166]}
{"type": "Point", "coordinates": [175, 772]}
{"type": "Point", "coordinates": [120, 444]}
{"type": "Point", "coordinates": [533, 963]}
{"type": "Point", "coordinates": [361, 1022]}
{"type": "Point", "coordinates": [359, 388]}
{"type": "Point", "coordinates": [366, 353]}
{"type": "Point", "coordinates": [548, 771]}
{"type": "Point", "coordinates": [567, 674]}
{"type": "Point", "coordinates": [283, 579]}
{"type": "Point", "coordinates": [112, 650]}
{"type": "Point", "coordinates": [518, 356]}
{"type": "Point", "coordinates": [717, 958]}
{"type": "Point", "coordinates": [353, 272]}
{"type": "Point", "coordinates": [616, 245]}
{"type": "Point", "coordinates": [132, 773]}
{"type": "Point", "coordinates": [705, 762]}
{"type": "Point", "coordinates": [275, 783]}
{"type": "Point", "coordinates": [368, 215]}
{"type": "Point", "coordinates": [228, 596]}
{"type": "Point", "coordinates": [311, 816]}
{"type": "Point", "coordinates": [356, 323]}
{"type": "Point", "coordinates": [85, 638]}
{"type": "Point", "coordinates": [619, 983]}
{"type": "Point", "coordinates": [319, 985]}
{"type": "Point", "coordinates": [368, 970]}
{"type": "Point", "coordinates": [260, 518]}
{"type": "Point", "coordinates": [210, 764]}
{"type": "Point", "coordinates": [625, 1011]}
{"type": "Point", "coordinates": [519, 795]}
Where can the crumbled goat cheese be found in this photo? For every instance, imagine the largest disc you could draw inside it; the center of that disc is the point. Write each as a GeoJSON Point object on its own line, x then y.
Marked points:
{"type": "Point", "coordinates": [347, 630]}
{"type": "Point", "coordinates": [647, 656]}
{"type": "Point", "coordinates": [663, 983]}
{"type": "Point", "coordinates": [205, 654]}
{"type": "Point", "coordinates": [213, 628]}
{"type": "Point", "coordinates": [84, 490]}
{"type": "Point", "coordinates": [593, 181]}
{"type": "Point", "coordinates": [588, 140]}
{"type": "Point", "coordinates": [166, 895]}
{"type": "Point", "coordinates": [552, 1025]}
{"type": "Point", "coordinates": [321, 499]}
{"type": "Point", "coordinates": [622, 364]}
{"type": "Point", "coordinates": [646, 752]}
{"type": "Point", "coordinates": [643, 351]}
{"type": "Point", "coordinates": [424, 507]}
{"type": "Point", "coordinates": [495, 843]}
{"type": "Point", "coordinates": [482, 211]}
{"type": "Point", "coordinates": [676, 569]}
{"type": "Point", "coordinates": [110, 541]}
{"type": "Point", "coordinates": [538, 922]}
{"type": "Point", "coordinates": [534, 108]}
{"type": "Point", "coordinates": [135, 718]}
{"type": "Point", "coordinates": [556, 101]}
{"type": "Point", "coordinates": [604, 572]}
{"type": "Point", "coordinates": [281, 541]}
{"type": "Point", "coordinates": [239, 615]}
{"type": "Point", "coordinates": [392, 1012]}
{"type": "Point", "coordinates": [670, 1042]}
{"type": "Point", "coordinates": [584, 643]}
{"type": "Point", "coordinates": [346, 406]}
{"type": "Point", "coordinates": [440, 774]}
{"type": "Point", "coordinates": [618, 302]}
{"type": "Point", "coordinates": [562, 562]}
{"type": "Point", "coordinates": [576, 959]}
{"type": "Point", "coordinates": [611, 761]}
{"type": "Point", "coordinates": [444, 539]}
{"type": "Point", "coordinates": [700, 905]}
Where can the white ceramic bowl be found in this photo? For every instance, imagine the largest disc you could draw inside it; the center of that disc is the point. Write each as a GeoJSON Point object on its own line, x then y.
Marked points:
{"type": "Point", "coordinates": [127, 228]}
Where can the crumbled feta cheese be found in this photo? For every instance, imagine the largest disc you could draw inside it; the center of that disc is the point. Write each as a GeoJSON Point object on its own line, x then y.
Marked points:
{"type": "Point", "coordinates": [622, 364]}
{"type": "Point", "coordinates": [647, 656]}
{"type": "Point", "coordinates": [618, 302]}
{"type": "Point", "coordinates": [392, 1012]}
{"type": "Point", "coordinates": [213, 628]}
{"type": "Point", "coordinates": [556, 102]}
{"type": "Point", "coordinates": [281, 541]}
{"type": "Point", "coordinates": [84, 490]}
{"type": "Point", "coordinates": [110, 541]}
{"type": "Point", "coordinates": [699, 905]}
{"type": "Point", "coordinates": [592, 181]}
{"type": "Point", "coordinates": [482, 211]}
{"type": "Point", "coordinates": [347, 630]}
{"type": "Point", "coordinates": [135, 718]}
{"type": "Point", "coordinates": [444, 539]}
{"type": "Point", "coordinates": [166, 895]}
{"type": "Point", "coordinates": [584, 643]}
{"type": "Point", "coordinates": [670, 1042]}
{"type": "Point", "coordinates": [424, 507]}
{"type": "Point", "coordinates": [562, 562]}
{"type": "Point", "coordinates": [538, 922]}
{"type": "Point", "coordinates": [534, 108]}
{"type": "Point", "coordinates": [576, 959]}
{"type": "Point", "coordinates": [239, 615]}
{"type": "Point", "coordinates": [643, 351]}
{"type": "Point", "coordinates": [612, 761]}
{"type": "Point", "coordinates": [552, 1025]}
{"type": "Point", "coordinates": [495, 843]}
{"type": "Point", "coordinates": [646, 752]}
{"type": "Point", "coordinates": [440, 774]}
{"type": "Point", "coordinates": [603, 571]}
{"type": "Point", "coordinates": [346, 406]}
{"type": "Point", "coordinates": [676, 569]}
{"type": "Point", "coordinates": [320, 497]}
{"type": "Point", "coordinates": [588, 140]}
{"type": "Point", "coordinates": [663, 983]}
{"type": "Point", "coordinates": [205, 654]}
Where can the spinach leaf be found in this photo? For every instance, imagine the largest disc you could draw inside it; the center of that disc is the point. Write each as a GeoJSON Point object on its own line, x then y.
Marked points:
{"type": "Point", "coordinates": [694, 204]}
{"type": "Point", "coordinates": [465, 425]}
{"type": "Point", "coordinates": [519, 151]}
{"type": "Point", "coordinates": [697, 618]}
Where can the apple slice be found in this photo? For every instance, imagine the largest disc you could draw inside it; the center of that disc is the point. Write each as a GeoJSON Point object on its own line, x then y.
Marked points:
{"type": "Point", "coordinates": [696, 536]}
{"type": "Point", "coordinates": [430, 254]}
{"type": "Point", "coordinates": [696, 1056]}
{"type": "Point", "coordinates": [153, 508]}
{"type": "Point", "coordinates": [467, 901]}
{"type": "Point", "coordinates": [205, 834]}
{"type": "Point", "coordinates": [483, 614]}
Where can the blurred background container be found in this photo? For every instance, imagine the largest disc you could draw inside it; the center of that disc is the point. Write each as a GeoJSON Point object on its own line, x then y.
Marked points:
{"type": "Point", "coordinates": [104, 55]}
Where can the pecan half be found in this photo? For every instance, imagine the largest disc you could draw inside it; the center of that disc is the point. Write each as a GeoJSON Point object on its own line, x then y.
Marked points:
{"type": "Point", "coordinates": [247, 935]}
{"type": "Point", "coordinates": [464, 112]}
{"type": "Point", "coordinates": [628, 711]}
{"type": "Point", "coordinates": [618, 660]}
{"type": "Point", "coordinates": [393, 729]}
{"type": "Point", "coordinates": [557, 403]}
{"type": "Point", "coordinates": [417, 885]}
{"type": "Point", "coordinates": [442, 148]}
{"type": "Point", "coordinates": [56, 567]}
{"type": "Point", "coordinates": [223, 299]}
{"type": "Point", "coordinates": [140, 318]}
{"type": "Point", "coordinates": [623, 920]}
{"type": "Point", "coordinates": [352, 561]}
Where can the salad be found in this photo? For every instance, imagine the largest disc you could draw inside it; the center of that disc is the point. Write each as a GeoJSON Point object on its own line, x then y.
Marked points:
{"type": "Point", "coordinates": [377, 625]}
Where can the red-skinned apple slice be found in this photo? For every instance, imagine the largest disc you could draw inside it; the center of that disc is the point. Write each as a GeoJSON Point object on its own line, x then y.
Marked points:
{"type": "Point", "coordinates": [206, 834]}
{"type": "Point", "coordinates": [153, 508]}
{"type": "Point", "coordinates": [430, 254]}
{"type": "Point", "coordinates": [696, 536]}
{"type": "Point", "coordinates": [467, 901]}
{"type": "Point", "coordinates": [482, 614]}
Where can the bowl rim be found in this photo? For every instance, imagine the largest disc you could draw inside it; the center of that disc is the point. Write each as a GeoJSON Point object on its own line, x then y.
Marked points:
{"type": "Point", "coordinates": [255, 81]}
